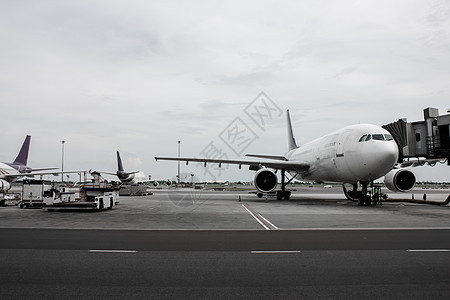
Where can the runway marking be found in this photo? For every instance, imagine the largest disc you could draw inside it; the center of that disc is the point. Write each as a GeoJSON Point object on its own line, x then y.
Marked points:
{"type": "Point", "coordinates": [229, 229]}
{"type": "Point", "coordinates": [256, 218]}
{"type": "Point", "coordinates": [365, 228]}
{"type": "Point", "coordinates": [274, 251]}
{"type": "Point", "coordinates": [112, 251]}
{"type": "Point", "coordinates": [261, 220]}
{"type": "Point", "coordinates": [274, 227]}
{"type": "Point", "coordinates": [429, 250]}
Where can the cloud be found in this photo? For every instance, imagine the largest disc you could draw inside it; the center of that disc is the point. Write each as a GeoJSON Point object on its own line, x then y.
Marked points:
{"type": "Point", "coordinates": [139, 75]}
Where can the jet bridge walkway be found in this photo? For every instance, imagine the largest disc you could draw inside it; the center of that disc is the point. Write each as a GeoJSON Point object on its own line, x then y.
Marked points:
{"type": "Point", "coordinates": [428, 140]}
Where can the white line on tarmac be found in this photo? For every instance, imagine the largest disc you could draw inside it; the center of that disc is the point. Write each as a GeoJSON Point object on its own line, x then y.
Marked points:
{"type": "Point", "coordinates": [228, 229]}
{"type": "Point", "coordinates": [270, 223]}
{"type": "Point", "coordinates": [274, 251]}
{"type": "Point", "coordinates": [112, 251]}
{"type": "Point", "coordinates": [429, 250]}
{"type": "Point", "coordinates": [366, 228]}
{"type": "Point", "coordinates": [256, 218]}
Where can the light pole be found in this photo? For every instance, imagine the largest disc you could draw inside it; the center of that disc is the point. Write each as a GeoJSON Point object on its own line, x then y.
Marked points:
{"type": "Point", "coordinates": [179, 142]}
{"type": "Point", "coordinates": [62, 161]}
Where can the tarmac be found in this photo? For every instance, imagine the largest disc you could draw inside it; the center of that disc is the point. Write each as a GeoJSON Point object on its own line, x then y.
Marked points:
{"type": "Point", "coordinates": [205, 244]}
{"type": "Point", "coordinates": [190, 209]}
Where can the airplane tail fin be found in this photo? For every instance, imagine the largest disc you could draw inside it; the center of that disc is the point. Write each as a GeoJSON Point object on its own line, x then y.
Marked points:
{"type": "Point", "coordinates": [22, 157]}
{"type": "Point", "coordinates": [291, 140]}
{"type": "Point", "coordinates": [119, 163]}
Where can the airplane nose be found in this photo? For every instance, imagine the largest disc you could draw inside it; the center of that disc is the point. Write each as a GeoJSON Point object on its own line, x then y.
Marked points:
{"type": "Point", "coordinates": [390, 153]}
{"type": "Point", "coordinates": [384, 157]}
{"type": "Point", "coordinates": [380, 158]}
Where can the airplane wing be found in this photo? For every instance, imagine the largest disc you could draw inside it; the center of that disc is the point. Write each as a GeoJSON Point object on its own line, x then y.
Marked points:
{"type": "Point", "coordinates": [254, 165]}
{"type": "Point", "coordinates": [115, 174]}
{"type": "Point", "coordinates": [43, 169]}
{"type": "Point", "coordinates": [277, 157]}
{"type": "Point", "coordinates": [32, 174]}
{"type": "Point", "coordinates": [109, 173]}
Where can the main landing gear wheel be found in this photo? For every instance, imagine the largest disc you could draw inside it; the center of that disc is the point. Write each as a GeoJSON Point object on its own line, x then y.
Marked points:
{"type": "Point", "coordinates": [283, 195]}
{"type": "Point", "coordinates": [365, 199]}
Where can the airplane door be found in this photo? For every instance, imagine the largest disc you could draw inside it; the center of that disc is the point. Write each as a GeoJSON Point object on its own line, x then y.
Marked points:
{"type": "Point", "coordinates": [340, 144]}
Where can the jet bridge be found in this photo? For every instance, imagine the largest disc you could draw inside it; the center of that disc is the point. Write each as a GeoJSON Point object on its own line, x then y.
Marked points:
{"type": "Point", "coordinates": [429, 139]}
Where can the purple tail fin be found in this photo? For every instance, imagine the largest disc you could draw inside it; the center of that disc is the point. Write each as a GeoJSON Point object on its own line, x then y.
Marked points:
{"type": "Point", "coordinates": [119, 163]}
{"type": "Point", "coordinates": [22, 157]}
{"type": "Point", "coordinates": [291, 140]}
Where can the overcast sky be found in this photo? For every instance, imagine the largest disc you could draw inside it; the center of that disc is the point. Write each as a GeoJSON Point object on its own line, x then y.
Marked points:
{"type": "Point", "coordinates": [137, 76]}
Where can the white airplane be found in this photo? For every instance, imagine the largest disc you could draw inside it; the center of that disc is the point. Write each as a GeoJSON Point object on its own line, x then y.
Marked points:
{"type": "Point", "coordinates": [156, 183]}
{"type": "Point", "coordinates": [128, 177]}
{"type": "Point", "coordinates": [10, 172]}
{"type": "Point", "coordinates": [354, 154]}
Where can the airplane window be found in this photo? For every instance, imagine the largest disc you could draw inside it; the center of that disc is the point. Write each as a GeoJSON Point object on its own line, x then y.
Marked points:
{"type": "Point", "coordinates": [363, 138]}
{"type": "Point", "coordinates": [378, 137]}
{"type": "Point", "coordinates": [368, 138]}
{"type": "Point", "coordinates": [388, 137]}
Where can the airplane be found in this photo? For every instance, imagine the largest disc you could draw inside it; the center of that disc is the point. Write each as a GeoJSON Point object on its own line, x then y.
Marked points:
{"type": "Point", "coordinates": [10, 172]}
{"type": "Point", "coordinates": [356, 154]}
{"type": "Point", "coordinates": [128, 177]}
{"type": "Point", "coordinates": [167, 182]}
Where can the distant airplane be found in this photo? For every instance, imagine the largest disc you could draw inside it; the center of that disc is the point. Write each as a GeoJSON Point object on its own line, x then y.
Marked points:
{"type": "Point", "coordinates": [156, 183]}
{"type": "Point", "coordinates": [10, 172]}
{"type": "Point", "coordinates": [354, 154]}
{"type": "Point", "coordinates": [128, 177]}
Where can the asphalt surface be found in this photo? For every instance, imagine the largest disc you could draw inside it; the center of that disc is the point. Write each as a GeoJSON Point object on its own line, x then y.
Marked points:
{"type": "Point", "coordinates": [210, 245]}
{"type": "Point", "coordinates": [78, 274]}
{"type": "Point", "coordinates": [224, 240]}
{"type": "Point", "coordinates": [193, 209]}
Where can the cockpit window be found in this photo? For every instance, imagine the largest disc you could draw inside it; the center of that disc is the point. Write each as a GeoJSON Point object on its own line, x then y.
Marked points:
{"type": "Point", "coordinates": [388, 137]}
{"type": "Point", "coordinates": [378, 137]}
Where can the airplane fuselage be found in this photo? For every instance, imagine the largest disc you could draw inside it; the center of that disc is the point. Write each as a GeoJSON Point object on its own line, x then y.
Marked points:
{"type": "Point", "coordinates": [345, 156]}
{"type": "Point", "coordinates": [8, 174]}
{"type": "Point", "coordinates": [133, 178]}
{"type": "Point", "coordinates": [7, 169]}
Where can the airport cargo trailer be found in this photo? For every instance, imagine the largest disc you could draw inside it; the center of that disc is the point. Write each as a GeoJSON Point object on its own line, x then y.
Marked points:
{"type": "Point", "coordinates": [93, 198]}
{"type": "Point", "coordinates": [36, 192]}
{"type": "Point", "coordinates": [95, 195]}
{"type": "Point", "coordinates": [139, 189]}
{"type": "Point", "coordinates": [10, 198]}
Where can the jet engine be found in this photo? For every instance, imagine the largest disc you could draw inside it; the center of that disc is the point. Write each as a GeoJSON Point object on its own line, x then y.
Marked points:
{"type": "Point", "coordinates": [4, 185]}
{"type": "Point", "coordinates": [400, 180]}
{"type": "Point", "coordinates": [265, 180]}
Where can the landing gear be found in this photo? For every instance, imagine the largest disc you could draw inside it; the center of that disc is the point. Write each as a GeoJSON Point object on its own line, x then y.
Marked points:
{"type": "Point", "coordinates": [364, 198]}
{"type": "Point", "coordinates": [286, 195]}
{"type": "Point", "coordinates": [283, 194]}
